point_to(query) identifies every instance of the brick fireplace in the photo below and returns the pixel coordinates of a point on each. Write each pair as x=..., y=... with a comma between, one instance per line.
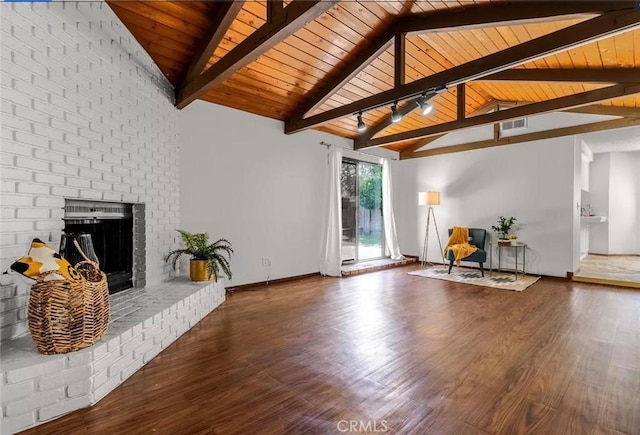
x=113, y=233
x=86, y=115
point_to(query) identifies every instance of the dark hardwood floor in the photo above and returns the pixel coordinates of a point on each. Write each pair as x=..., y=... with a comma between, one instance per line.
x=391, y=351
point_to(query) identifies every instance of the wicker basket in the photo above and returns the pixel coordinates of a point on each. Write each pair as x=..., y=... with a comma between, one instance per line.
x=96, y=300
x=65, y=316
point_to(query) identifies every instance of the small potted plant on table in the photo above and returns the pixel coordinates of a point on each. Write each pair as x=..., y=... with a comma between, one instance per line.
x=207, y=259
x=504, y=230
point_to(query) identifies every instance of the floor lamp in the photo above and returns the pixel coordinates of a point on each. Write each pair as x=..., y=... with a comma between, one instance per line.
x=430, y=199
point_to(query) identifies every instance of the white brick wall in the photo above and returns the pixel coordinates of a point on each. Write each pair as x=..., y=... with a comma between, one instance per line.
x=85, y=114
x=36, y=388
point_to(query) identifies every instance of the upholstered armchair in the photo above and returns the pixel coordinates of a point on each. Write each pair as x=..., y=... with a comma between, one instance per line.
x=477, y=238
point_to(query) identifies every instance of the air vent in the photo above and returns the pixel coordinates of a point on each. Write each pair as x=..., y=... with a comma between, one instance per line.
x=513, y=124
x=78, y=209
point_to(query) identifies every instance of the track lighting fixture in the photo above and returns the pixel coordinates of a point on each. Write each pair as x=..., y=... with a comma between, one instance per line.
x=361, y=125
x=395, y=116
x=425, y=107
x=422, y=101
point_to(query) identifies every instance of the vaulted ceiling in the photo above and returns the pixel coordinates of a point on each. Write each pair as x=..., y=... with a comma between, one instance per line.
x=318, y=64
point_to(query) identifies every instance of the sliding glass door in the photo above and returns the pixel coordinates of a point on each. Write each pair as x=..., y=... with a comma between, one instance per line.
x=362, y=224
x=370, y=226
x=349, y=187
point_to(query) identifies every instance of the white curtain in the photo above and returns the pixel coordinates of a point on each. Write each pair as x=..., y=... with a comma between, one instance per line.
x=390, y=235
x=331, y=255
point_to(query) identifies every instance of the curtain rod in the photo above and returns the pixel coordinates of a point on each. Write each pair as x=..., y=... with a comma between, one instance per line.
x=329, y=145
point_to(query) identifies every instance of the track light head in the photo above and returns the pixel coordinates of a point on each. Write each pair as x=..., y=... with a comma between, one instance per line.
x=361, y=125
x=395, y=116
x=425, y=107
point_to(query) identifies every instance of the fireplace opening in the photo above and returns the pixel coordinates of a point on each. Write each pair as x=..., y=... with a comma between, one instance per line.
x=111, y=228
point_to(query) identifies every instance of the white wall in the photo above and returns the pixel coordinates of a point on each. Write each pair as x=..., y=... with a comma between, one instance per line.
x=548, y=121
x=623, y=203
x=533, y=182
x=85, y=114
x=536, y=123
x=615, y=193
x=578, y=168
x=599, y=199
x=638, y=211
x=244, y=180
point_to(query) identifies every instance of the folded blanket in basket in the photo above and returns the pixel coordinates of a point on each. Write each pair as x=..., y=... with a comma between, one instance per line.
x=41, y=258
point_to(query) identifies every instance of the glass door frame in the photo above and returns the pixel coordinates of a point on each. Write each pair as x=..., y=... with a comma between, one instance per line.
x=353, y=162
x=357, y=244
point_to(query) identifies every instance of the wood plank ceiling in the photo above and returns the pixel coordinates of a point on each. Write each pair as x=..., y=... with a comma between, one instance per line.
x=278, y=82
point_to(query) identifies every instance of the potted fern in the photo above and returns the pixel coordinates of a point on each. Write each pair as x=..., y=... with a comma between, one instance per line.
x=207, y=259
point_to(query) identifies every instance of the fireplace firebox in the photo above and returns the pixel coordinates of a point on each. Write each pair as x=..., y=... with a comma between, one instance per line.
x=110, y=226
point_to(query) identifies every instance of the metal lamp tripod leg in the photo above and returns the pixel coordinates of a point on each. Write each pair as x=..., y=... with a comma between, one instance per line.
x=425, y=246
x=438, y=234
x=425, y=250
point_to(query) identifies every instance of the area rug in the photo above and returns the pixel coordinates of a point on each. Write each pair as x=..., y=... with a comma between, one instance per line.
x=504, y=281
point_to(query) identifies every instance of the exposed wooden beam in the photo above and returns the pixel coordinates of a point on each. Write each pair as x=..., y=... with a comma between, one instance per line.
x=441, y=20
x=579, y=34
x=421, y=142
x=406, y=7
x=529, y=137
x=408, y=107
x=505, y=104
x=553, y=105
x=625, y=112
x=427, y=140
x=496, y=131
x=504, y=14
x=292, y=18
x=461, y=101
x=399, y=60
x=222, y=19
x=274, y=8
x=403, y=110
x=594, y=109
x=491, y=106
x=345, y=72
x=578, y=75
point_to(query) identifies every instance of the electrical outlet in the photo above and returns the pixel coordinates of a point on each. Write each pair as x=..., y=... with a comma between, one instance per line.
x=266, y=262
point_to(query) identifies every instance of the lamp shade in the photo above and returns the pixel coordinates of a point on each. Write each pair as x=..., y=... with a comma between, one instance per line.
x=433, y=198
x=429, y=198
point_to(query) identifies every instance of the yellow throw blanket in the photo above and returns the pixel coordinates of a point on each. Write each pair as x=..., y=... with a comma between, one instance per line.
x=459, y=244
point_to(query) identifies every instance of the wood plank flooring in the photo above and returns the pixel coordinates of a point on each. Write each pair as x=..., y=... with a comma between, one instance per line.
x=391, y=352
x=620, y=270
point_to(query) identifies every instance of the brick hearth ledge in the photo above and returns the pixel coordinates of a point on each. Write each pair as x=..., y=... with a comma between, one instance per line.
x=37, y=388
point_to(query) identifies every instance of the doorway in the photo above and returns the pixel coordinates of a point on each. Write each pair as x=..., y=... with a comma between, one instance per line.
x=362, y=221
x=609, y=211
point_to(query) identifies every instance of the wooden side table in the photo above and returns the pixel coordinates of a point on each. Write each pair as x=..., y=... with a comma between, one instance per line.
x=517, y=246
